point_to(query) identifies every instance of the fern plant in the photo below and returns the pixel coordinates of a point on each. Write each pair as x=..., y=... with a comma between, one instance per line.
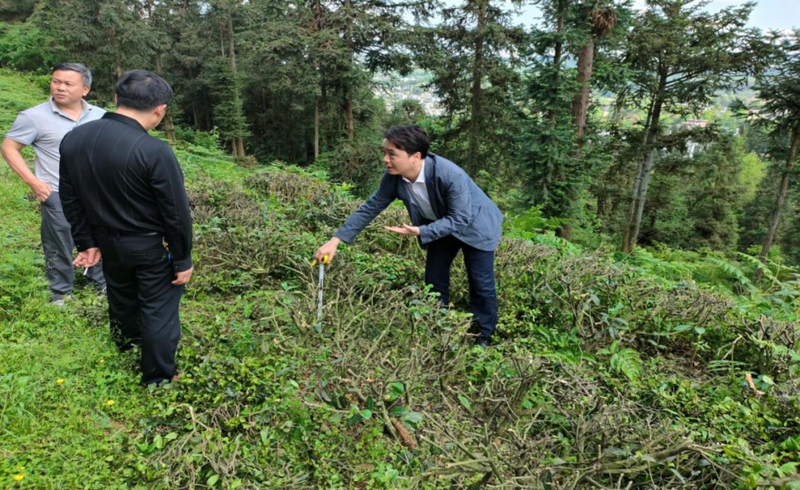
x=623, y=360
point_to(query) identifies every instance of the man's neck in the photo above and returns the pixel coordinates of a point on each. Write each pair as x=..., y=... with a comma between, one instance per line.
x=74, y=110
x=413, y=176
x=137, y=116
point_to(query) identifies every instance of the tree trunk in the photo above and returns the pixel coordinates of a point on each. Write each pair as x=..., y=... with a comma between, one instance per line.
x=316, y=129
x=647, y=171
x=639, y=195
x=348, y=5
x=619, y=107
x=477, y=91
x=557, y=174
x=195, y=116
x=116, y=56
x=169, y=126
x=318, y=26
x=238, y=143
x=783, y=189
x=580, y=103
x=551, y=115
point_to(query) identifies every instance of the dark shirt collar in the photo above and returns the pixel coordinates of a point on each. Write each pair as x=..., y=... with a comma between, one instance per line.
x=124, y=120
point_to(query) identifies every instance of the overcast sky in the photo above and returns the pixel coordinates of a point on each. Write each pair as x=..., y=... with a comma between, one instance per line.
x=768, y=14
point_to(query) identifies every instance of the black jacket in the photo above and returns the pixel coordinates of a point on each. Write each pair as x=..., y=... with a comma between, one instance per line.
x=115, y=176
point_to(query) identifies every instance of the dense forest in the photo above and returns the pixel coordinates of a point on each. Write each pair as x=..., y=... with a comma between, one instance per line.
x=669, y=126
x=648, y=277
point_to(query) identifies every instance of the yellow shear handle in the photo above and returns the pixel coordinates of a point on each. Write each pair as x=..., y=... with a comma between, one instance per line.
x=325, y=260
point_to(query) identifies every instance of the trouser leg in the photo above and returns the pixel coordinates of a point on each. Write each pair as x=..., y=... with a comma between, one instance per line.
x=161, y=330
x=95, y=274
x=123, y=297
x=482, y=292
x=57, y=244
x=440, y=257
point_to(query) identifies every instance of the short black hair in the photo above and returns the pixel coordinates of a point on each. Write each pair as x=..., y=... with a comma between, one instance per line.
x=410, y=138
x=86, y=74
x=142, y=90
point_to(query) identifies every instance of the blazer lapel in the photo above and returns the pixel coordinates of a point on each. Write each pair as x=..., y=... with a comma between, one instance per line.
x=430, y=184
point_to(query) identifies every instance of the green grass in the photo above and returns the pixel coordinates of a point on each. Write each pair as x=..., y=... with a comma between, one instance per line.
x=598, y=363
x=58, y=369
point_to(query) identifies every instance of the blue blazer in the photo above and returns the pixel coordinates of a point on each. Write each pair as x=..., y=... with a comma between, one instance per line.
x=462, y=209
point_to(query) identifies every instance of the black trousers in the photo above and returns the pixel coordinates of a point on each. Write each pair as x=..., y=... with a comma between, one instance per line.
x=480, y=271
x=142, y=302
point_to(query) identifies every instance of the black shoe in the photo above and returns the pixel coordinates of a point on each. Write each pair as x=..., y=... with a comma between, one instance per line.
x=482, y=342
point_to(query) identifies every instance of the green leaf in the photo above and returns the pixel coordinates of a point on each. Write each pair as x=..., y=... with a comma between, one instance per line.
x=413, y=417
x=465, y=401
x=212, y=480
x=397, y=388
x=365, y=414
x=700, y=330
x=398, y=411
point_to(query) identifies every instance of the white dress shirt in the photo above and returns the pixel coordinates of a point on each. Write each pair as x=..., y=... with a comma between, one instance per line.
x=419, y=192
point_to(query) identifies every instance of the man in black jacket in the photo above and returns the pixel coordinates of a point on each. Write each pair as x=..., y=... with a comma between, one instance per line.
x=123, y=195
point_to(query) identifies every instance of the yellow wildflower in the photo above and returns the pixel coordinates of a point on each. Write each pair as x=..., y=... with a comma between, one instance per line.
x=110, y=402
x=18, y=477
x=60, y=381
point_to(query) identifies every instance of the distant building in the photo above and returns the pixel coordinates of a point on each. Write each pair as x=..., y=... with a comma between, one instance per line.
x=692, y=146
x=695, y=123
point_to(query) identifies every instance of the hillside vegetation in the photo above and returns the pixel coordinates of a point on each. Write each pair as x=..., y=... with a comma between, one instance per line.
x=647, y=373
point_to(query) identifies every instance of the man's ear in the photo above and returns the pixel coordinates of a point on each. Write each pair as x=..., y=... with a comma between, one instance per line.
x=161, y=110
x=86, y=90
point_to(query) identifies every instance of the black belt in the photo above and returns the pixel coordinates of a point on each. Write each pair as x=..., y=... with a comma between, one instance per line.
x=113, y=232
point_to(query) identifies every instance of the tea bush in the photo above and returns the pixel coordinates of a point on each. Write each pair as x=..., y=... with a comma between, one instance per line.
x=607, y=373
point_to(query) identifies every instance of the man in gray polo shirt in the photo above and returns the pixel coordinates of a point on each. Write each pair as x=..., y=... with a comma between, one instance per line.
x=43, y=127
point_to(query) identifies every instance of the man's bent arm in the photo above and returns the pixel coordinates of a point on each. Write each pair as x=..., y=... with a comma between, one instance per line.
x=73, y=207
x=167, y=181
x=459, y=205
x=367, y=212
x=12, y=154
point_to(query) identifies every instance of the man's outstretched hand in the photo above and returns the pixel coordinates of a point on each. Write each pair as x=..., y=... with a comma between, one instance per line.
x=403, y=230
x=88, y=258
x=182, y=278
x=329, y=250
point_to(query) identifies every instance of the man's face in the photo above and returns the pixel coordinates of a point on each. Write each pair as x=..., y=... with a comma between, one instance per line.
x=397, y=161
x=67, y=87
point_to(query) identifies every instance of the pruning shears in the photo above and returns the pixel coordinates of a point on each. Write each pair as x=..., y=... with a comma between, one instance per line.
x=325, y=260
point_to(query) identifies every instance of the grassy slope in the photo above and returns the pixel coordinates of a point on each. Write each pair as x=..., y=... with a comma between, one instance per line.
x=57, y=370
x=68, y=398
x=254, y=405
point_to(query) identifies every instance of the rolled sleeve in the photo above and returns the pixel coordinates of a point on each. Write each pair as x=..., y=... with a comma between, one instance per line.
x=23, y=130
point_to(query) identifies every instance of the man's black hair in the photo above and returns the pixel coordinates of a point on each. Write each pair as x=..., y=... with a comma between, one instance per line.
x=142, y=90
x=410, y=138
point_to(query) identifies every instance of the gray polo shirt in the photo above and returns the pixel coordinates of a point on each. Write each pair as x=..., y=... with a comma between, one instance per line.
x=43, y=127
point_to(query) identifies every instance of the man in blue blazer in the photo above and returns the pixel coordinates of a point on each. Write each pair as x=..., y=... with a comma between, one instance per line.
x=448, y=213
